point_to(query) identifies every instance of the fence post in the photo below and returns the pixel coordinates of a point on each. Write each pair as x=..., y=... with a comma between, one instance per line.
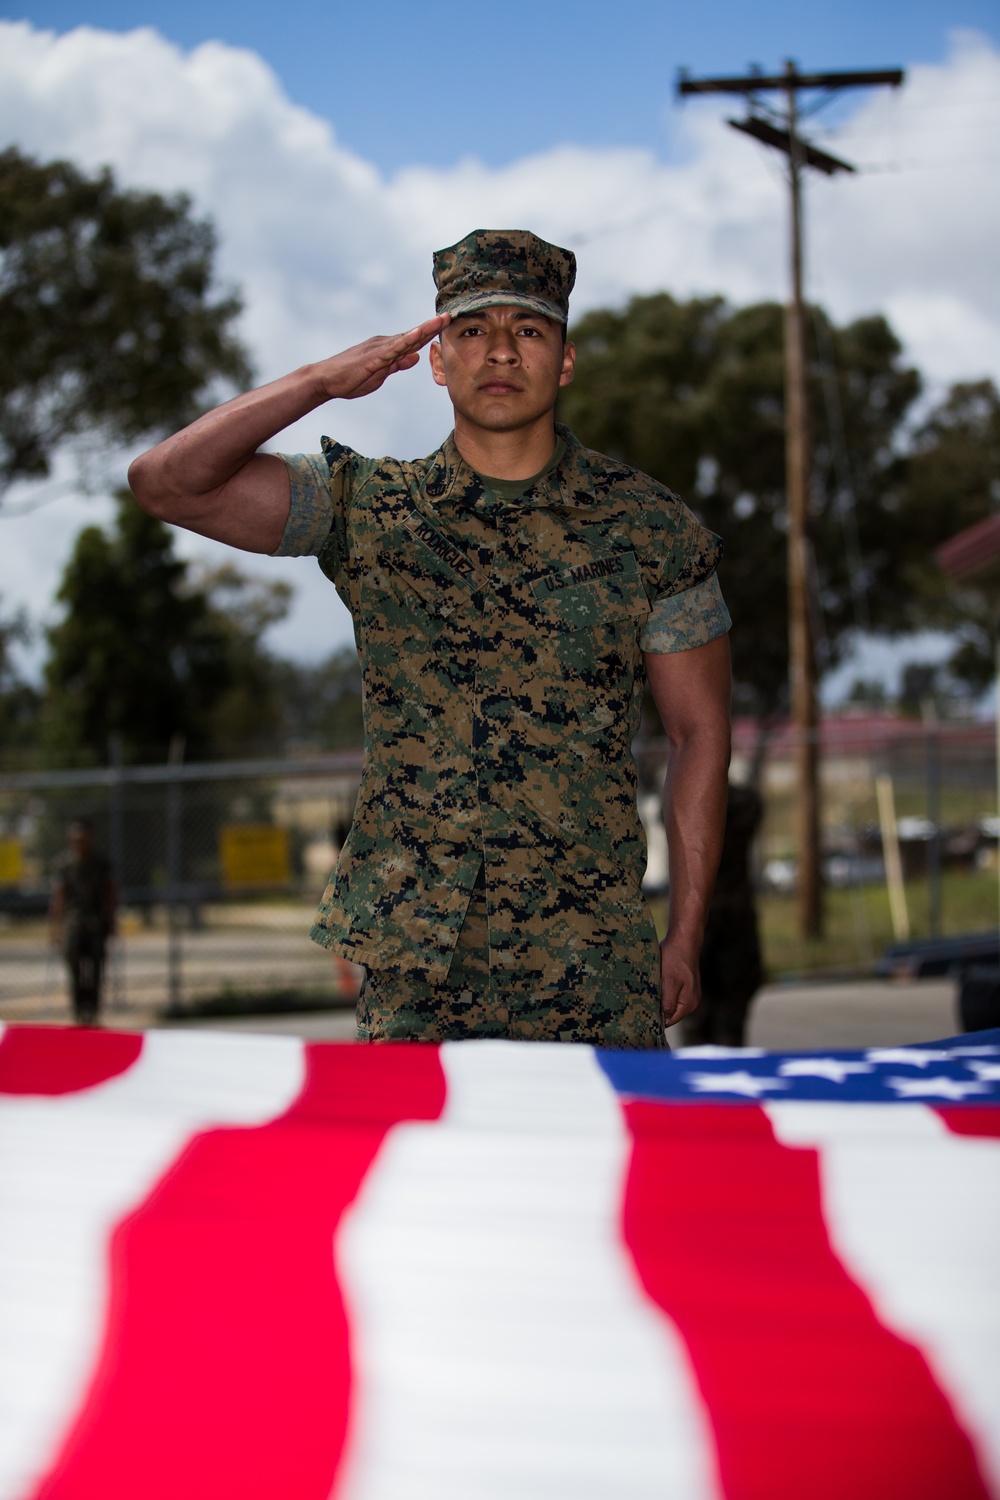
x=116, y=840
x=996, y=732
x=174, y=875
x=932, y=746
x=891, y=858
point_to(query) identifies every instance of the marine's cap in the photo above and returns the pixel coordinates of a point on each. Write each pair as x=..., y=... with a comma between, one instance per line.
x=504, y=267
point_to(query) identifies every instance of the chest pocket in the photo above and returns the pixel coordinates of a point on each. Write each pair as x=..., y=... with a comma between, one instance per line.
x=426, y=565
x=605, y=589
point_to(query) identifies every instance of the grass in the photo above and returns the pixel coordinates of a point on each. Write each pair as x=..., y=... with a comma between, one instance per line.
x=857, y=925
x=231, y=1001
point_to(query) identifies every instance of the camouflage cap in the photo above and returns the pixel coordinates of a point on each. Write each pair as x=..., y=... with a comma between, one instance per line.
x=504, y=267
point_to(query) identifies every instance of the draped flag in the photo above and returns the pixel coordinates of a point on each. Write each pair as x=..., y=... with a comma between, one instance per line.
x=250, y=1268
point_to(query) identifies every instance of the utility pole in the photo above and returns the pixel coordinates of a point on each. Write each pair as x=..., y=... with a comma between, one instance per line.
x=779, y=129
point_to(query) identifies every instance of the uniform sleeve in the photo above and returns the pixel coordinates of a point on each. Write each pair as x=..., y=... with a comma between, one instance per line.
x=315, y=501
x=687, y=608
x=679, y=622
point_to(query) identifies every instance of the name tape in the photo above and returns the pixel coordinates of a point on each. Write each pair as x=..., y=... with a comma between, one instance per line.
x=617, y=565
x=441, y=546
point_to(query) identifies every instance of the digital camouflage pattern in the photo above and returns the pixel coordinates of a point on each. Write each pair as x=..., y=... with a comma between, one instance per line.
x=620, y=1006
x=683, y=621
x=501, y=652
x=501, y=267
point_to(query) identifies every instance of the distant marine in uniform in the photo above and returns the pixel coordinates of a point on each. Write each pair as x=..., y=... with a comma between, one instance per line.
x=506, y=619
x=732, y=969
x=82, y=917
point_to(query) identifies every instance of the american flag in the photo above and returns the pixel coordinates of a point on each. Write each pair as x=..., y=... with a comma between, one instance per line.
x=241, y=1267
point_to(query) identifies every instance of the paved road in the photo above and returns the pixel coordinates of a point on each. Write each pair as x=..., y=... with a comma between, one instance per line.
x=877, y=1013
x=793, y=1017
x=270, y=950
x=261, y=957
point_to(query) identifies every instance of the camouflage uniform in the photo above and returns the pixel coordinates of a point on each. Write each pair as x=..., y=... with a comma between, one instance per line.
x=500, y=637
x=87, y=890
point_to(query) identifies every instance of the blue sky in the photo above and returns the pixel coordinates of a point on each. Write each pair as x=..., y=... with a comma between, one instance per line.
x=430, y=81
x=336, y=147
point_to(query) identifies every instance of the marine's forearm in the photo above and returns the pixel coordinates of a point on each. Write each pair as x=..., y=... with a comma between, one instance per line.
x=178, y=474
x=694, y=812
x=210, y=476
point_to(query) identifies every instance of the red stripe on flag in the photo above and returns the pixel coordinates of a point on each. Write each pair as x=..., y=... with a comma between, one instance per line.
x=808, y=1393
x=226, y=1362
x=972, y=1119
x=63, y=1059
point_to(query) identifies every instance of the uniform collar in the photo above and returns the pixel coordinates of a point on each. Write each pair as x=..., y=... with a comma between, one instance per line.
x=569, y=486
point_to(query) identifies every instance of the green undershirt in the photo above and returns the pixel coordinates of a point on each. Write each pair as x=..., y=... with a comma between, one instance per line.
x=512, y=489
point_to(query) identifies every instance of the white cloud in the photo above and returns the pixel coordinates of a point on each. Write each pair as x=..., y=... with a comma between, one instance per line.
x=327, y=250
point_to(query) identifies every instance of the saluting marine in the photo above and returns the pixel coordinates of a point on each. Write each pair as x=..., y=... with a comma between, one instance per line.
x=511, y=594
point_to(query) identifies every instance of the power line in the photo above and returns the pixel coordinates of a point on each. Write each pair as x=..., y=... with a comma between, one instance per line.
x=779, y=129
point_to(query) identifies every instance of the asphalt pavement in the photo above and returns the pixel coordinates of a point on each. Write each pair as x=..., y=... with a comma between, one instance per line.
x=859, y=1013
x=792, y=1017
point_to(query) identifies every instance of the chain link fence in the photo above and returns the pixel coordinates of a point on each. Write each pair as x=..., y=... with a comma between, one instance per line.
x=909, y=836
x=219, y=869
x=220, y=866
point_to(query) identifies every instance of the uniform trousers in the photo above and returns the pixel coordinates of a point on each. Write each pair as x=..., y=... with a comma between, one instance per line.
x=84, y=954
x=619, y=1008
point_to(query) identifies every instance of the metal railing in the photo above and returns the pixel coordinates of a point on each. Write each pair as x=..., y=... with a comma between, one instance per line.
x=193, y=927
x=200, y=929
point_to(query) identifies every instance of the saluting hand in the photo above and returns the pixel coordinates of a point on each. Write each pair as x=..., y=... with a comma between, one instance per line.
x=365, y=367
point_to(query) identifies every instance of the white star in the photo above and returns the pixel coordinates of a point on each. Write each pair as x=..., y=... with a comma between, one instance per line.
x=915, y=1057
x=733, y=1083
x=985, y=1072
x=834, y=1069
x=937, y=1088
x=975, y=1051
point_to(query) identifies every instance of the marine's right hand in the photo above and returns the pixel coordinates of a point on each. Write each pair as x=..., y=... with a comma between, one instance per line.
x=362, y=369
x=211, y=478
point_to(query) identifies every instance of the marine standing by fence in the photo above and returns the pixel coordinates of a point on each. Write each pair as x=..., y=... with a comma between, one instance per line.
x=82, y=918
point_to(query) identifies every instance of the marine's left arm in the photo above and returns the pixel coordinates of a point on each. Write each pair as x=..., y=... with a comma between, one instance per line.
x=691, y=689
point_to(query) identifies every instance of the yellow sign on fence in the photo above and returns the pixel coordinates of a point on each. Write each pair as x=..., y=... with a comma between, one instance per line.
x=254, y=854
x=11, y=861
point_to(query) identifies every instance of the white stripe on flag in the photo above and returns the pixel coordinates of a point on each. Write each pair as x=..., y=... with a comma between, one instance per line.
x=913, y=1211
x=502, y=1346
x=71, y=1167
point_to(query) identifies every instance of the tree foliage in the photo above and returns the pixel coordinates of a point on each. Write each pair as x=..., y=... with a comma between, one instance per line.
x=953, y=474
x=147, y=652
x=693, y=393
x=108, y=322
x=322, y=702
x=18, y=699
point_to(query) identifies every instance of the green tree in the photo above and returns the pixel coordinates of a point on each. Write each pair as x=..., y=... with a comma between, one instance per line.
x=108, y=324
x=147, y=652
x=951, y=481
x=19, y=701
x=955, y=453
x=249, y=712
x=693, y=393
x=322, y=702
